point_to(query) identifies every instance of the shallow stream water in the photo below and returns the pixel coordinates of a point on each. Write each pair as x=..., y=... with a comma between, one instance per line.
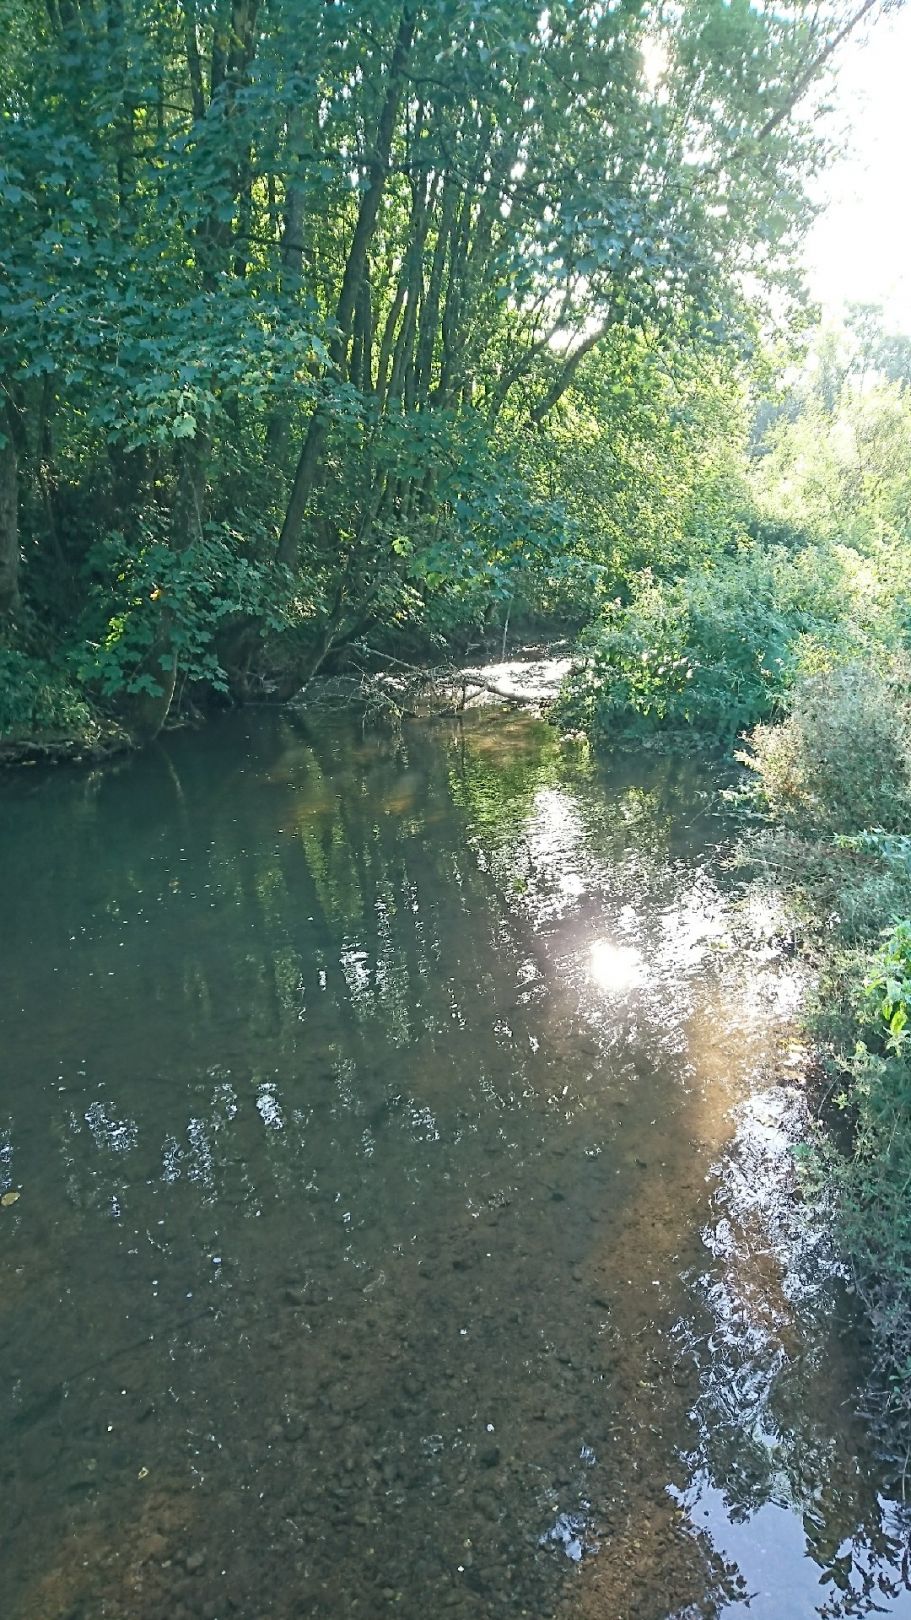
x=402, y=1132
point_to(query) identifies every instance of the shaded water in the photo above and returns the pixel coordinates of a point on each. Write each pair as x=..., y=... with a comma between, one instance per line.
x=402, y=1137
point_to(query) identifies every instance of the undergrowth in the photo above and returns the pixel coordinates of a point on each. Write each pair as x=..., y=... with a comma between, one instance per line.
x=834, y=782
x=722, y=647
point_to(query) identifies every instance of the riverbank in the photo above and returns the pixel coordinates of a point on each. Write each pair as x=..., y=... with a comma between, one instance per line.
x=104, y=741
x=832, y=784
x=64, y=727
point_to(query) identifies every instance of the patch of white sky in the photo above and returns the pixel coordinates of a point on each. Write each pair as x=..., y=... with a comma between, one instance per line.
x=859, y=249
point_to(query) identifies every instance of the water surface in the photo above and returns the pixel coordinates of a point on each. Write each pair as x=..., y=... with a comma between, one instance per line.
x=406, y=1227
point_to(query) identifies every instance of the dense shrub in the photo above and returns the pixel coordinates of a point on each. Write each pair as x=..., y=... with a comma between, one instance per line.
x=834, y=780
x=887, y=994
x=130, y=589
x=706, y=651
x=40, y=700
x=833, y=783
x=840, y=762
x=872, y=1182
x=719, y=648
x=716, y=650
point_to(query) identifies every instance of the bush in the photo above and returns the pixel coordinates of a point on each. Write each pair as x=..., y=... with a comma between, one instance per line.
x=200, y=591
x=872, y=1183
x=719, y=649
x=839, y=891
x=887, y=995
x=709, y=651
x=841, y=761
x=835, y=779
x=702, y=652
x=37, y=700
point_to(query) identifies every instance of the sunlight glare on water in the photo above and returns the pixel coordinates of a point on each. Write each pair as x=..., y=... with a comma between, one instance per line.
x=615, y=968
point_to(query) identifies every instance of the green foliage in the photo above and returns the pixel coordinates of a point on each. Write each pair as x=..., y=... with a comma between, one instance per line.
x=871, y=1182
x=835, y=780
x=833, y=460
x=147, y=603
x=887, y=994
x=712, y=652
x=720, y=646
x=840, y=762
x=38, y=700
x=452, y=303
x=647, y=456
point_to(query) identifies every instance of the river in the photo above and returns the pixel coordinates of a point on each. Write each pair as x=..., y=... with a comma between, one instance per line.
x=402, y=1130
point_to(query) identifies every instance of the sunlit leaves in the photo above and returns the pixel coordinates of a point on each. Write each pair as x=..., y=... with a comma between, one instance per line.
x=559, y=202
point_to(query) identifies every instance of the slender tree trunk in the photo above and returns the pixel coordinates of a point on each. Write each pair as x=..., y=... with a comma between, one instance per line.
x=360, y=370
x=385, y=354
x=567, y=372
x=194, y=64
x=430, y=312
x=9, y=526
x=355, y=269
x=453, y=301
x=146, y=712
x=188, y=508
x=291, y=255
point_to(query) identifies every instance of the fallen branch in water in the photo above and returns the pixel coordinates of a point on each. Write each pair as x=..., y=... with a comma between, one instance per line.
x=401, y=690
x=479, y=684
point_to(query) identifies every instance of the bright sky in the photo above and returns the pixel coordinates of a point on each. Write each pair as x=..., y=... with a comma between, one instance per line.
x=860, y=250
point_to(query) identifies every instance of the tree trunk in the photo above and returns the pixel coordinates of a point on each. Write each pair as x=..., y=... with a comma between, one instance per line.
x=145, y=712
x=355, y=269
x=430, y=312
x=567, y=372
x=9, y=527
x=194, y=64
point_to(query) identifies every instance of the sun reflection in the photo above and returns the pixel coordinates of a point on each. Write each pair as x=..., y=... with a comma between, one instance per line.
x=614, y=967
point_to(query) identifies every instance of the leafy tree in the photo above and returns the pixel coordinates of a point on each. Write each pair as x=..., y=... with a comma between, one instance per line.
x=835, y=463
x=336, y=278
